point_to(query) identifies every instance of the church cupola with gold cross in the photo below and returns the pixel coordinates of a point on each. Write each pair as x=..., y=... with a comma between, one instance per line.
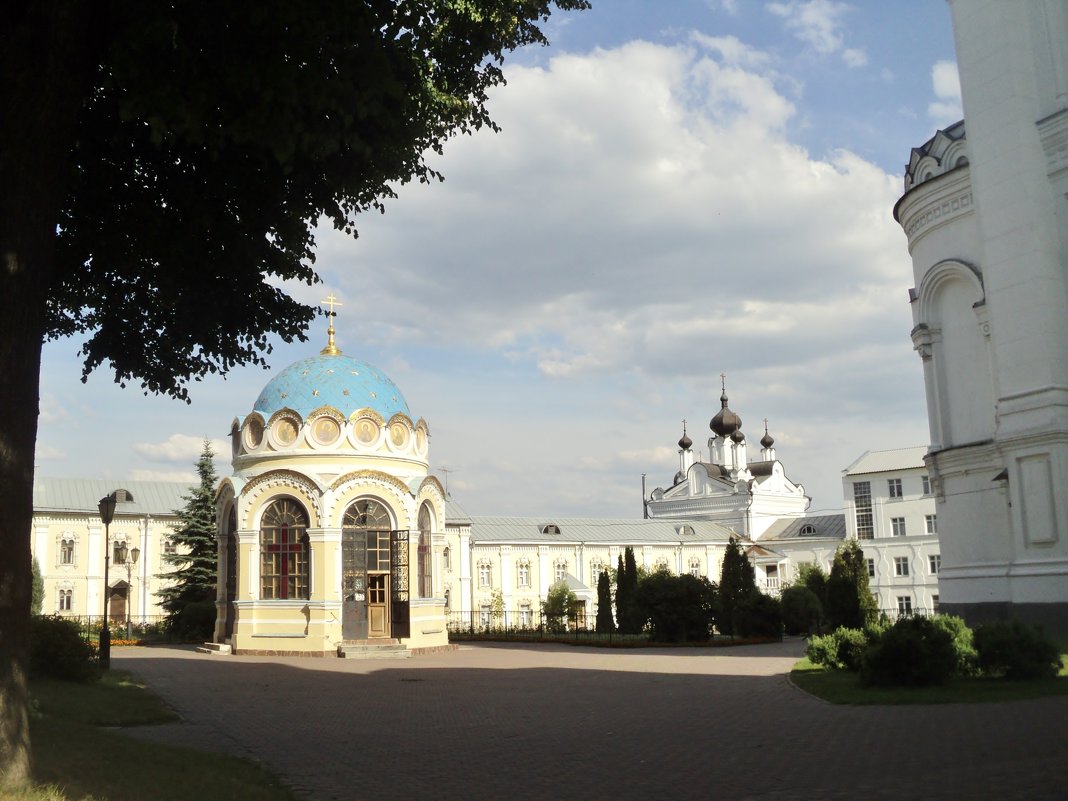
x=331, y=404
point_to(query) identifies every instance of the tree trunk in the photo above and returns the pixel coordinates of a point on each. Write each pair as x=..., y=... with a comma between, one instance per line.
x=46, y=67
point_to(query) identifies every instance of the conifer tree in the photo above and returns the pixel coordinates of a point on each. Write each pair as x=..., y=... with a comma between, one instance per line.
x=621, y=591
x=737, y=581
x=605, y=624
x=629, y=622
x=196, y=554
x=849, y=599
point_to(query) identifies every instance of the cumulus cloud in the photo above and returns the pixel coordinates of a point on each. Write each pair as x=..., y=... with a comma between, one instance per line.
x=815, y=22
x=178, y=448
x=854, y=57
x=642, y=222
x=51, y=410
x=945, y=81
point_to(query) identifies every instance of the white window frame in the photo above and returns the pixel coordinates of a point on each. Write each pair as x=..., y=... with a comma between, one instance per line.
x=904, y=604
x=522, y=576
x=695, y=567
x=559, y=571
x=901, y=566
x=926, y=479
x=871, y=568
x=897, y=526
x=934, y=562
x=931, y=523
x=894, y=488
x=485, y=573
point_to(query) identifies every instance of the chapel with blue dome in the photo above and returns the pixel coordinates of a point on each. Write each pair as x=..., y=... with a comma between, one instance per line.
x=330, y=522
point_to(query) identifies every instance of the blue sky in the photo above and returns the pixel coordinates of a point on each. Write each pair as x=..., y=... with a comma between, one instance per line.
x=680, y=189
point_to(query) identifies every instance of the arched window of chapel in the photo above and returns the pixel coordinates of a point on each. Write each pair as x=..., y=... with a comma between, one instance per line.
x=425, y=562
x=284, y=551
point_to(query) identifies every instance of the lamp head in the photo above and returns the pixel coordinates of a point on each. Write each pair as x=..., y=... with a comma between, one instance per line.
x=134, y=553
x=107, y=509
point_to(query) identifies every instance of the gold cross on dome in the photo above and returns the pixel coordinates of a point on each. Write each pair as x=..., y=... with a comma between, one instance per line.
x=331, y=301
x=331, y=349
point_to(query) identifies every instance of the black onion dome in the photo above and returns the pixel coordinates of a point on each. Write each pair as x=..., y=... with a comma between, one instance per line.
x=767, y=440
x=725, y=422
x=685, y=442
x=737, y=436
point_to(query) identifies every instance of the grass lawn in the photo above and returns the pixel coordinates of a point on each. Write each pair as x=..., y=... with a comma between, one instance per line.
x=76, y=760
x=843, y=687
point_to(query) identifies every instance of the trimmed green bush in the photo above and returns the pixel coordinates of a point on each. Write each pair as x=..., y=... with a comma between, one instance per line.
x=758, y=615
x=196, y=622
x=678, y=608
x=963, y=643
x=59, y=651
x=914, y=652
x=801, y=610
x=842, y=649
x=851, y=646
x=823, y=650
x=1016, y=651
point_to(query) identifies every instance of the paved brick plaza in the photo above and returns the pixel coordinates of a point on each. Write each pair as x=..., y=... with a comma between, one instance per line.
x=555, y=722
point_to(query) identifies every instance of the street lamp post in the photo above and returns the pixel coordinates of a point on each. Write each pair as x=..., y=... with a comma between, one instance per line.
x=129, y=557
x=107, y=513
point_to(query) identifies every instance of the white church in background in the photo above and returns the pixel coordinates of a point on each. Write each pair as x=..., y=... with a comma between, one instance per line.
x=986, y=217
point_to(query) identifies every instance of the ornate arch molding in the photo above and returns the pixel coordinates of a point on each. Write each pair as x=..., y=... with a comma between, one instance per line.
x=943, y=273
x=225, y=493
x=431, y=485
x=267, y=484
x=396, y=492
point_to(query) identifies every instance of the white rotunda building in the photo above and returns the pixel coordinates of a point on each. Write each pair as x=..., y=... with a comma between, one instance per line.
x=329, y=524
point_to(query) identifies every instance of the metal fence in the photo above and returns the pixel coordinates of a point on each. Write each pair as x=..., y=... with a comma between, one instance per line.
x=516, y=620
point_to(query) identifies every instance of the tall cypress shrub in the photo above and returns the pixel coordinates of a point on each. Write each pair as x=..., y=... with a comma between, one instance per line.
x=621, y=591
x=737, y=582
x=849, y=599
x=605, y=624
x=632, y=622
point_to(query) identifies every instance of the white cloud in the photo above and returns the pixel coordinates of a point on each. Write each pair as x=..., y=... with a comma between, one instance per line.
x=854, y=57
x=945, y=81
x=179, y=448
x=731, y=50
x=48, y=454
x=51, y=411
x=642, y=222
x=815, y=22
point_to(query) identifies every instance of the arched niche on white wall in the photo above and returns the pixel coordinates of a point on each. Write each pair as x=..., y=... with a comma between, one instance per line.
x=952, y=306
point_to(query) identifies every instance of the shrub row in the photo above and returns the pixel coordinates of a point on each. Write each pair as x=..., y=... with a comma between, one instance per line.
x=919, y=651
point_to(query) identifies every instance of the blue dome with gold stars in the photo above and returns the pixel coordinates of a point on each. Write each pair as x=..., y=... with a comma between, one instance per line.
x=335, y=380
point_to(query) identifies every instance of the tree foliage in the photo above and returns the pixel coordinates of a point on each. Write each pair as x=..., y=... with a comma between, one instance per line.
x=558, y=606
x=737, y=581
x=801, y=610
x=195, y=560
x=849, y=600
x=605, y=624
x=164, y=168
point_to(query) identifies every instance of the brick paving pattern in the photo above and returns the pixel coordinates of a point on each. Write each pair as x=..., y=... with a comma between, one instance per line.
x=494, y=721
